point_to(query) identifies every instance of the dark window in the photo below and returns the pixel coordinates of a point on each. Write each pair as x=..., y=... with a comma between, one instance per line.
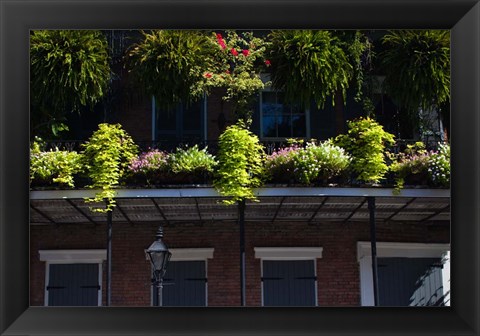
x=185, y=284
x=280, y=120
x=182, y=123
x=410, y=281
x=73, y=285
x=289, y=283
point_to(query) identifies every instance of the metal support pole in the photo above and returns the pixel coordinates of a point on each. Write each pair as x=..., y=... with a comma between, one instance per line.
x=241, y=222
x=373, y=241
x=159, y=292
x=108, y=279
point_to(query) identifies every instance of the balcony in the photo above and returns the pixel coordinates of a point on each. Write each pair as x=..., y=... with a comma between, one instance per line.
x=212, y=145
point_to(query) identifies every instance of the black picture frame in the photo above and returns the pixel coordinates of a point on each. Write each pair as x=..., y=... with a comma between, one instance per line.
x=19, y=16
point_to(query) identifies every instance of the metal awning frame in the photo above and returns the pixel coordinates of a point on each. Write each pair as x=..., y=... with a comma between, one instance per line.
x=277, y=204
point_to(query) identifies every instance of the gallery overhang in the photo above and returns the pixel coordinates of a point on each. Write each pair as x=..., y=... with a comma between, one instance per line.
x=274, y=205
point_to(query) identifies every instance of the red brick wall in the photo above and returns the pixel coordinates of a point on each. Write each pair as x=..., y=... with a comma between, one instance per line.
x=337, y=271
x=219, y=114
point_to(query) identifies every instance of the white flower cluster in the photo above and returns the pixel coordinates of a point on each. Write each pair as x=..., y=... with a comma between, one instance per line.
x=439, y=165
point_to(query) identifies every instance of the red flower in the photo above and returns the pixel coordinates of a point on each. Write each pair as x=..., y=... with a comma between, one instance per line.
x=245, y=52
x=220, y=41
x=227, y=72
x=234, y=52
x=208, y=75
x=267, y=63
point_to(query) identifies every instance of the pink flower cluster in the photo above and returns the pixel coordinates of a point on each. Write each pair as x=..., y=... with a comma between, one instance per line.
x=283, y=152
x=148, y=161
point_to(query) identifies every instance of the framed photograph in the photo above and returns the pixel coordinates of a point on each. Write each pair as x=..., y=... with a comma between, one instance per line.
x=39, y=251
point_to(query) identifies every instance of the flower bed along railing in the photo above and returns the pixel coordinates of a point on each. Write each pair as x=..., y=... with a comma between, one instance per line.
x=366, y=155
x=283, y=165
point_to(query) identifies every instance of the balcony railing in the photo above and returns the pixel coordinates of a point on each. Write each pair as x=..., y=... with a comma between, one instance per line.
x=212, y=145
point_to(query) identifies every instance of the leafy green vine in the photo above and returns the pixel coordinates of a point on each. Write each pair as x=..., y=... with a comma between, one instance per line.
x=240, y=164
x=107, y=155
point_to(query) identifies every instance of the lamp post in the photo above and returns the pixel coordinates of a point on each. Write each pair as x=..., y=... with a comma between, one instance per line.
x=159, y=256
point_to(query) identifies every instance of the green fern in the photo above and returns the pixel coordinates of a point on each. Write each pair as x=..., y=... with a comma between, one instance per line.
x=69, y=70
x=169, y=64
x=417, y=67
x=308, y=65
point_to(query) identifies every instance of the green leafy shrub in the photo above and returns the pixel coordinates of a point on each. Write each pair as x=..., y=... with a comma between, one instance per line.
x=55, y=166
x=149, y=167
x=319, y=163
x=439, y=166
x=191, y=164
x=411, y=166
x=240, y=164
x=107, y=155
x=365, y=141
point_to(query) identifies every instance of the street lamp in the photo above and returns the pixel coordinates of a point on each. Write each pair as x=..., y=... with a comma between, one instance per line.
x=159, y=256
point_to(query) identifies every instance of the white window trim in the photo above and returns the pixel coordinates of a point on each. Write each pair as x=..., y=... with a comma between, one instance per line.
x=180, y=254
x=286, y=254
x=398, y=250
x=190, y=254
x=73, y=257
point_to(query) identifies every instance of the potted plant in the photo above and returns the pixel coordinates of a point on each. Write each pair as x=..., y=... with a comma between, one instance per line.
x=280, y=165
x=54, y=167
x=148, y=168
x=191, y=165
x=410, y=167
x=366, y=142
x=321, y=163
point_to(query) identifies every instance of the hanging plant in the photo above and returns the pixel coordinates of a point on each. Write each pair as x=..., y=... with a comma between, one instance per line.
x=169, y=64
x=107, y=155
x=238, y=59
x=308, y=65
x=359, y=51
x=69, y=70
x=240, y=164
x=417, y=68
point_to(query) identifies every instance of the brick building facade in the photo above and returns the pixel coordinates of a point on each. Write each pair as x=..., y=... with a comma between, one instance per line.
x=333, y=246
x=316, y=254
